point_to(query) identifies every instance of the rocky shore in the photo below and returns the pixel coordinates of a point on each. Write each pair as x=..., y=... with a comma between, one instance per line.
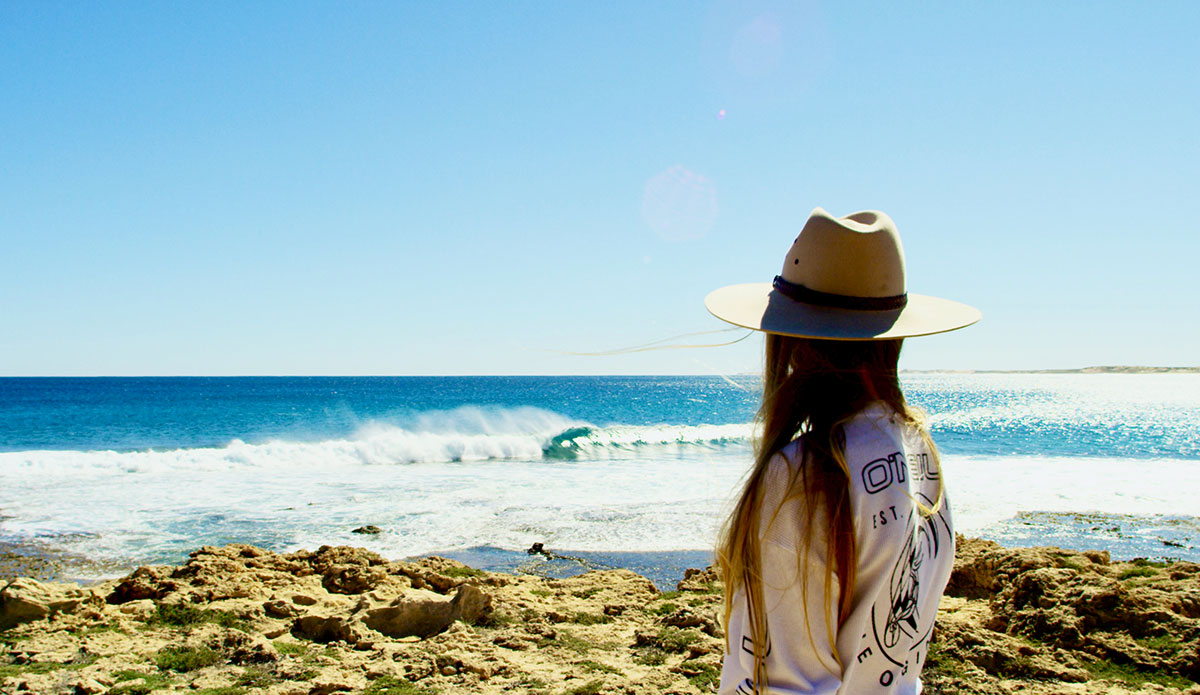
x=239, y=619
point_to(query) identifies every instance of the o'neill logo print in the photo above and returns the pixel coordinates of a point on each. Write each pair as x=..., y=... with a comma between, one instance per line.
x=902, y=630
x=880, y=473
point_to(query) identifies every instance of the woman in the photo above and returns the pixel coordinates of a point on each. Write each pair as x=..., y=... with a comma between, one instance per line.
x=841, y=544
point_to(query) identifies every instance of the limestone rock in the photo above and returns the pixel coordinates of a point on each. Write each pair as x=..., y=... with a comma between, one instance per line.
x=685, y=617
x=144, y=583
x=703, y=581
x=1037, y=621
x=435, y=573
x=423, y=618
x=345, y=570
x=277, y=608
x=1047, y=613
x=25, y=599
x=241, y=648
x=326, y=629
x=82, y=685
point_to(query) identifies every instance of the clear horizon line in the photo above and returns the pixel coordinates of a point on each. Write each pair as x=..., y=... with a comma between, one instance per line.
x=1094, y=369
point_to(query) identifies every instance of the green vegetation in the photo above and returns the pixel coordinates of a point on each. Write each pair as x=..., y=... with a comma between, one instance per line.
x=389, y=685
x=36, y=668
x=501, y=618
x=257, y=677
x=150, y=682
x=1143, y=562
x=673, y=639
x=586, y=593
x=177, y=615
x=567, y=641
x=596, y=666
x=669, y=595
x=289, y=648
x=591, y=619
x=184, y=659
x=664, y=609
x=938, y=661
x=1069, y=563
x=183, y=615
x=463, y=572
x=589, y=688
x=226, y=690
x=39, y=667
x=708, y=678
x=1019, y=667
x=650, y=656
x=541, y=593
x=1161, y=643
x=1131, y=676
x=1141, y=571
x=231, y=620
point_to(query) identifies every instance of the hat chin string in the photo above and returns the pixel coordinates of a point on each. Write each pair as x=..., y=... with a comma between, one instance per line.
x=807, y=295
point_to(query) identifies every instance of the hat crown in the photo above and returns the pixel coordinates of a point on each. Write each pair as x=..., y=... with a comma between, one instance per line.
x=858, y=255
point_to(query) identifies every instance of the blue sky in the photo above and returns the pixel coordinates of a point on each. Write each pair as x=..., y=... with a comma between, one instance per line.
x=476, y=188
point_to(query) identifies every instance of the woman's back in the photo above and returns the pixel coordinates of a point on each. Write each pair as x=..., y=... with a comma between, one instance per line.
x=904, y=558
x=845, y=489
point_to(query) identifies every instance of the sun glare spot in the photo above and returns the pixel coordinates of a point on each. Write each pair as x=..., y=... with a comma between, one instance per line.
x=679, y=204
x=758, y=46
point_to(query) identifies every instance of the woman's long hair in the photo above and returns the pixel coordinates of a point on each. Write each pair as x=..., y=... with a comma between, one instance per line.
x=810, y=389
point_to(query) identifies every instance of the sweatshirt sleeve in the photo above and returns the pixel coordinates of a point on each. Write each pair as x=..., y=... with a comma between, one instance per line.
x=801, y=623
x=904, y=561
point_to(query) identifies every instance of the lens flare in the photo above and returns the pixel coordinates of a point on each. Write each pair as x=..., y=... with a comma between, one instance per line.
x=679, y=204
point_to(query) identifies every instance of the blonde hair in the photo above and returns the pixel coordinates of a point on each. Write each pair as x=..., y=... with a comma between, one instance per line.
x=810, y=389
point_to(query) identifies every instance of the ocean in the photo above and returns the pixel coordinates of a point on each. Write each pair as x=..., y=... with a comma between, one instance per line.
x=130, y=471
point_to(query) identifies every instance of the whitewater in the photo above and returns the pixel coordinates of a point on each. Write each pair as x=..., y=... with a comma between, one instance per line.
x=1018, y=455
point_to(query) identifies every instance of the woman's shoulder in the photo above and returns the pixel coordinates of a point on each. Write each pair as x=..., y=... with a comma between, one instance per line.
x=784, y=466
x=791, y=454
x=877, y=425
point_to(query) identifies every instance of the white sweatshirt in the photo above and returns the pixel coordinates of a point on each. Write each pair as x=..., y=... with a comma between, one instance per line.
x=904, y=562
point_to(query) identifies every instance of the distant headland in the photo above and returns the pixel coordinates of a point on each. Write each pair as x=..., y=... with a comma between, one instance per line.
x=1112, y=369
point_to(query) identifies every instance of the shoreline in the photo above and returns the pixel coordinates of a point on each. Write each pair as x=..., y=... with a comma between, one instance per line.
x=1125, y=537
x=664, y=568
x=238, y=619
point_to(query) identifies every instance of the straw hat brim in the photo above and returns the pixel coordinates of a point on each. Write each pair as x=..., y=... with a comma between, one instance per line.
x=759, y=306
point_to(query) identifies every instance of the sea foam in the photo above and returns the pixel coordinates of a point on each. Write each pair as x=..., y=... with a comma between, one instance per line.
x=462, y=435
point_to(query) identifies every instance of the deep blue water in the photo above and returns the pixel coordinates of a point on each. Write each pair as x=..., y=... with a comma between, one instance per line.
x=1129, y=416
x=137, y=413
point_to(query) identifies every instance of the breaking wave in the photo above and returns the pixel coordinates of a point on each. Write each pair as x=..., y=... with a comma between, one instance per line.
x=461, y=435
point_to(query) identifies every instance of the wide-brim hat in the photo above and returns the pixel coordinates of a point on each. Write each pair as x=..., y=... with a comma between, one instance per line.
x=843, y=279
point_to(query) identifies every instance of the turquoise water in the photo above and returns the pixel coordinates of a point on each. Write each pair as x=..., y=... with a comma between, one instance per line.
x=1132, y=416
x=132, y=470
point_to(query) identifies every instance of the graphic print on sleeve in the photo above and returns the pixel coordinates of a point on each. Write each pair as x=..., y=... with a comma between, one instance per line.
x=900, y=629
x=900, y=622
